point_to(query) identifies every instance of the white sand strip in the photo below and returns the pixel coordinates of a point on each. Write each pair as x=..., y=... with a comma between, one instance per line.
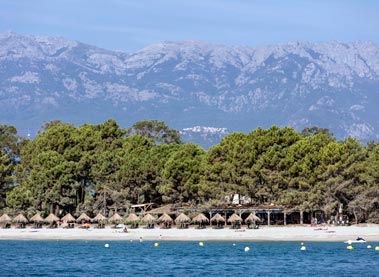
x=370, y=232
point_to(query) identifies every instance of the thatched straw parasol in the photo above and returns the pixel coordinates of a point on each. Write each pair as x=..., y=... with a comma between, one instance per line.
x=116, y=218
x=217, y=218
x=200, y=218
x=132, y=218
x=51, y=218
x=20, y=219
x=37, y=218
x=148, y=218
x=182, y=218
x=83, y=217
x=5, y=218
x=99, y=218
x=165, y=221
x=165, y=218
x=234, y=218
x=252, y=218
x=68, y=218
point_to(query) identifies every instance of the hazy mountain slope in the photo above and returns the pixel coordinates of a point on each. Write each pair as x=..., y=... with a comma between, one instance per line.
x=333, y=85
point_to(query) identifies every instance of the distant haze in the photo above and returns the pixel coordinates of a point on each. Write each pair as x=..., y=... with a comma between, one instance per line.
x=133, y=24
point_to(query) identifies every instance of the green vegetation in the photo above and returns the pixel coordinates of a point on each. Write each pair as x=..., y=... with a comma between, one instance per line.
x=103, y=167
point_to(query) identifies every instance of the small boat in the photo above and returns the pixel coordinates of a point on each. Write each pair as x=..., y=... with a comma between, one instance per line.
x=358, y=240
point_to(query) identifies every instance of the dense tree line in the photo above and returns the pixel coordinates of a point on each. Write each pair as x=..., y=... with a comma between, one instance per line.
x=103, y=167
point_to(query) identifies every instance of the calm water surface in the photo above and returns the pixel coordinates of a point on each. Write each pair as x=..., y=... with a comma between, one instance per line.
x=124, y=258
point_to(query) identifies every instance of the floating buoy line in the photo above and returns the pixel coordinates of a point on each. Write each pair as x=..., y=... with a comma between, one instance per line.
x=247, y=248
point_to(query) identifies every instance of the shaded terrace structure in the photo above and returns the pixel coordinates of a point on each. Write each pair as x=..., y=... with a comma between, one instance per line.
x=263, y=215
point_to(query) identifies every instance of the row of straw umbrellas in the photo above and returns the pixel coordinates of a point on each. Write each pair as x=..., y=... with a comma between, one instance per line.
x=182, y=220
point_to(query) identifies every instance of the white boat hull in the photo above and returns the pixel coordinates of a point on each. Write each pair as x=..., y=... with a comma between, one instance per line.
x=355, y=241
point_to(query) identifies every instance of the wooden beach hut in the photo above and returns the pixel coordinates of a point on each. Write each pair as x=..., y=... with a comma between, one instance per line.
x=100, y=220
x=115, y=219
x=21, y=220
x=182, y=221
x=252, y=220
x=200, y=219
x=133, y=220
x=219, y=221
x=37, y=220
x=165, y=221
x=69, y=219
x=52, y=219
x=83, y=218
x=235, y=220
x=5, y=221
x=149, y=220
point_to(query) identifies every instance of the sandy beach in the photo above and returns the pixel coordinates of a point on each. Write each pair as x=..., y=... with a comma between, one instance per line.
x=289, y=233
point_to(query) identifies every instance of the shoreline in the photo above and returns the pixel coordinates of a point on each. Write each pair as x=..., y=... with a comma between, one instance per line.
x=370, y=232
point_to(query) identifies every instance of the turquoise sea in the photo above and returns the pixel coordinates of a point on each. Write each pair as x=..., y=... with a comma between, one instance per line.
x=125, y=258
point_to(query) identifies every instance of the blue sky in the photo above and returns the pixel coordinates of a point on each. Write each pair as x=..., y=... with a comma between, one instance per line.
x=129, y=25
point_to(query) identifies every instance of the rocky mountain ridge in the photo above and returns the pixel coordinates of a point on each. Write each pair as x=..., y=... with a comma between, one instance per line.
x=332, y=85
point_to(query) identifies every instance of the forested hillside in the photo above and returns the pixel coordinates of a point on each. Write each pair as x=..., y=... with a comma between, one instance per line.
x=95, y=167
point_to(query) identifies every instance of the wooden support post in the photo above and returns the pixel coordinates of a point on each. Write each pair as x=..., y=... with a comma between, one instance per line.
x=285, y=218
x=210, y=217
x=225, y=218
x=301, y=217
x=268, y=217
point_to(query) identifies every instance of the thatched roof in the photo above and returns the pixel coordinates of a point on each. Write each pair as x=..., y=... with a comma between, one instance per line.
x=51, y=218
x=161, y=210
x=182, y=218
x=68, y=218
x=116, y=218
x=20, y=219
x=252, y=218
x=200, y=218
x=234, y=218
x=132, y=218
x=37, y=218
x=83, y=216
x=148, y=218
x=165, y=218
x=5, y=218
x=217, y=218
x=99, y=218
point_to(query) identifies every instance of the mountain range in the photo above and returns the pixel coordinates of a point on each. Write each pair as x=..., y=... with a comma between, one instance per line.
x=203, y=90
